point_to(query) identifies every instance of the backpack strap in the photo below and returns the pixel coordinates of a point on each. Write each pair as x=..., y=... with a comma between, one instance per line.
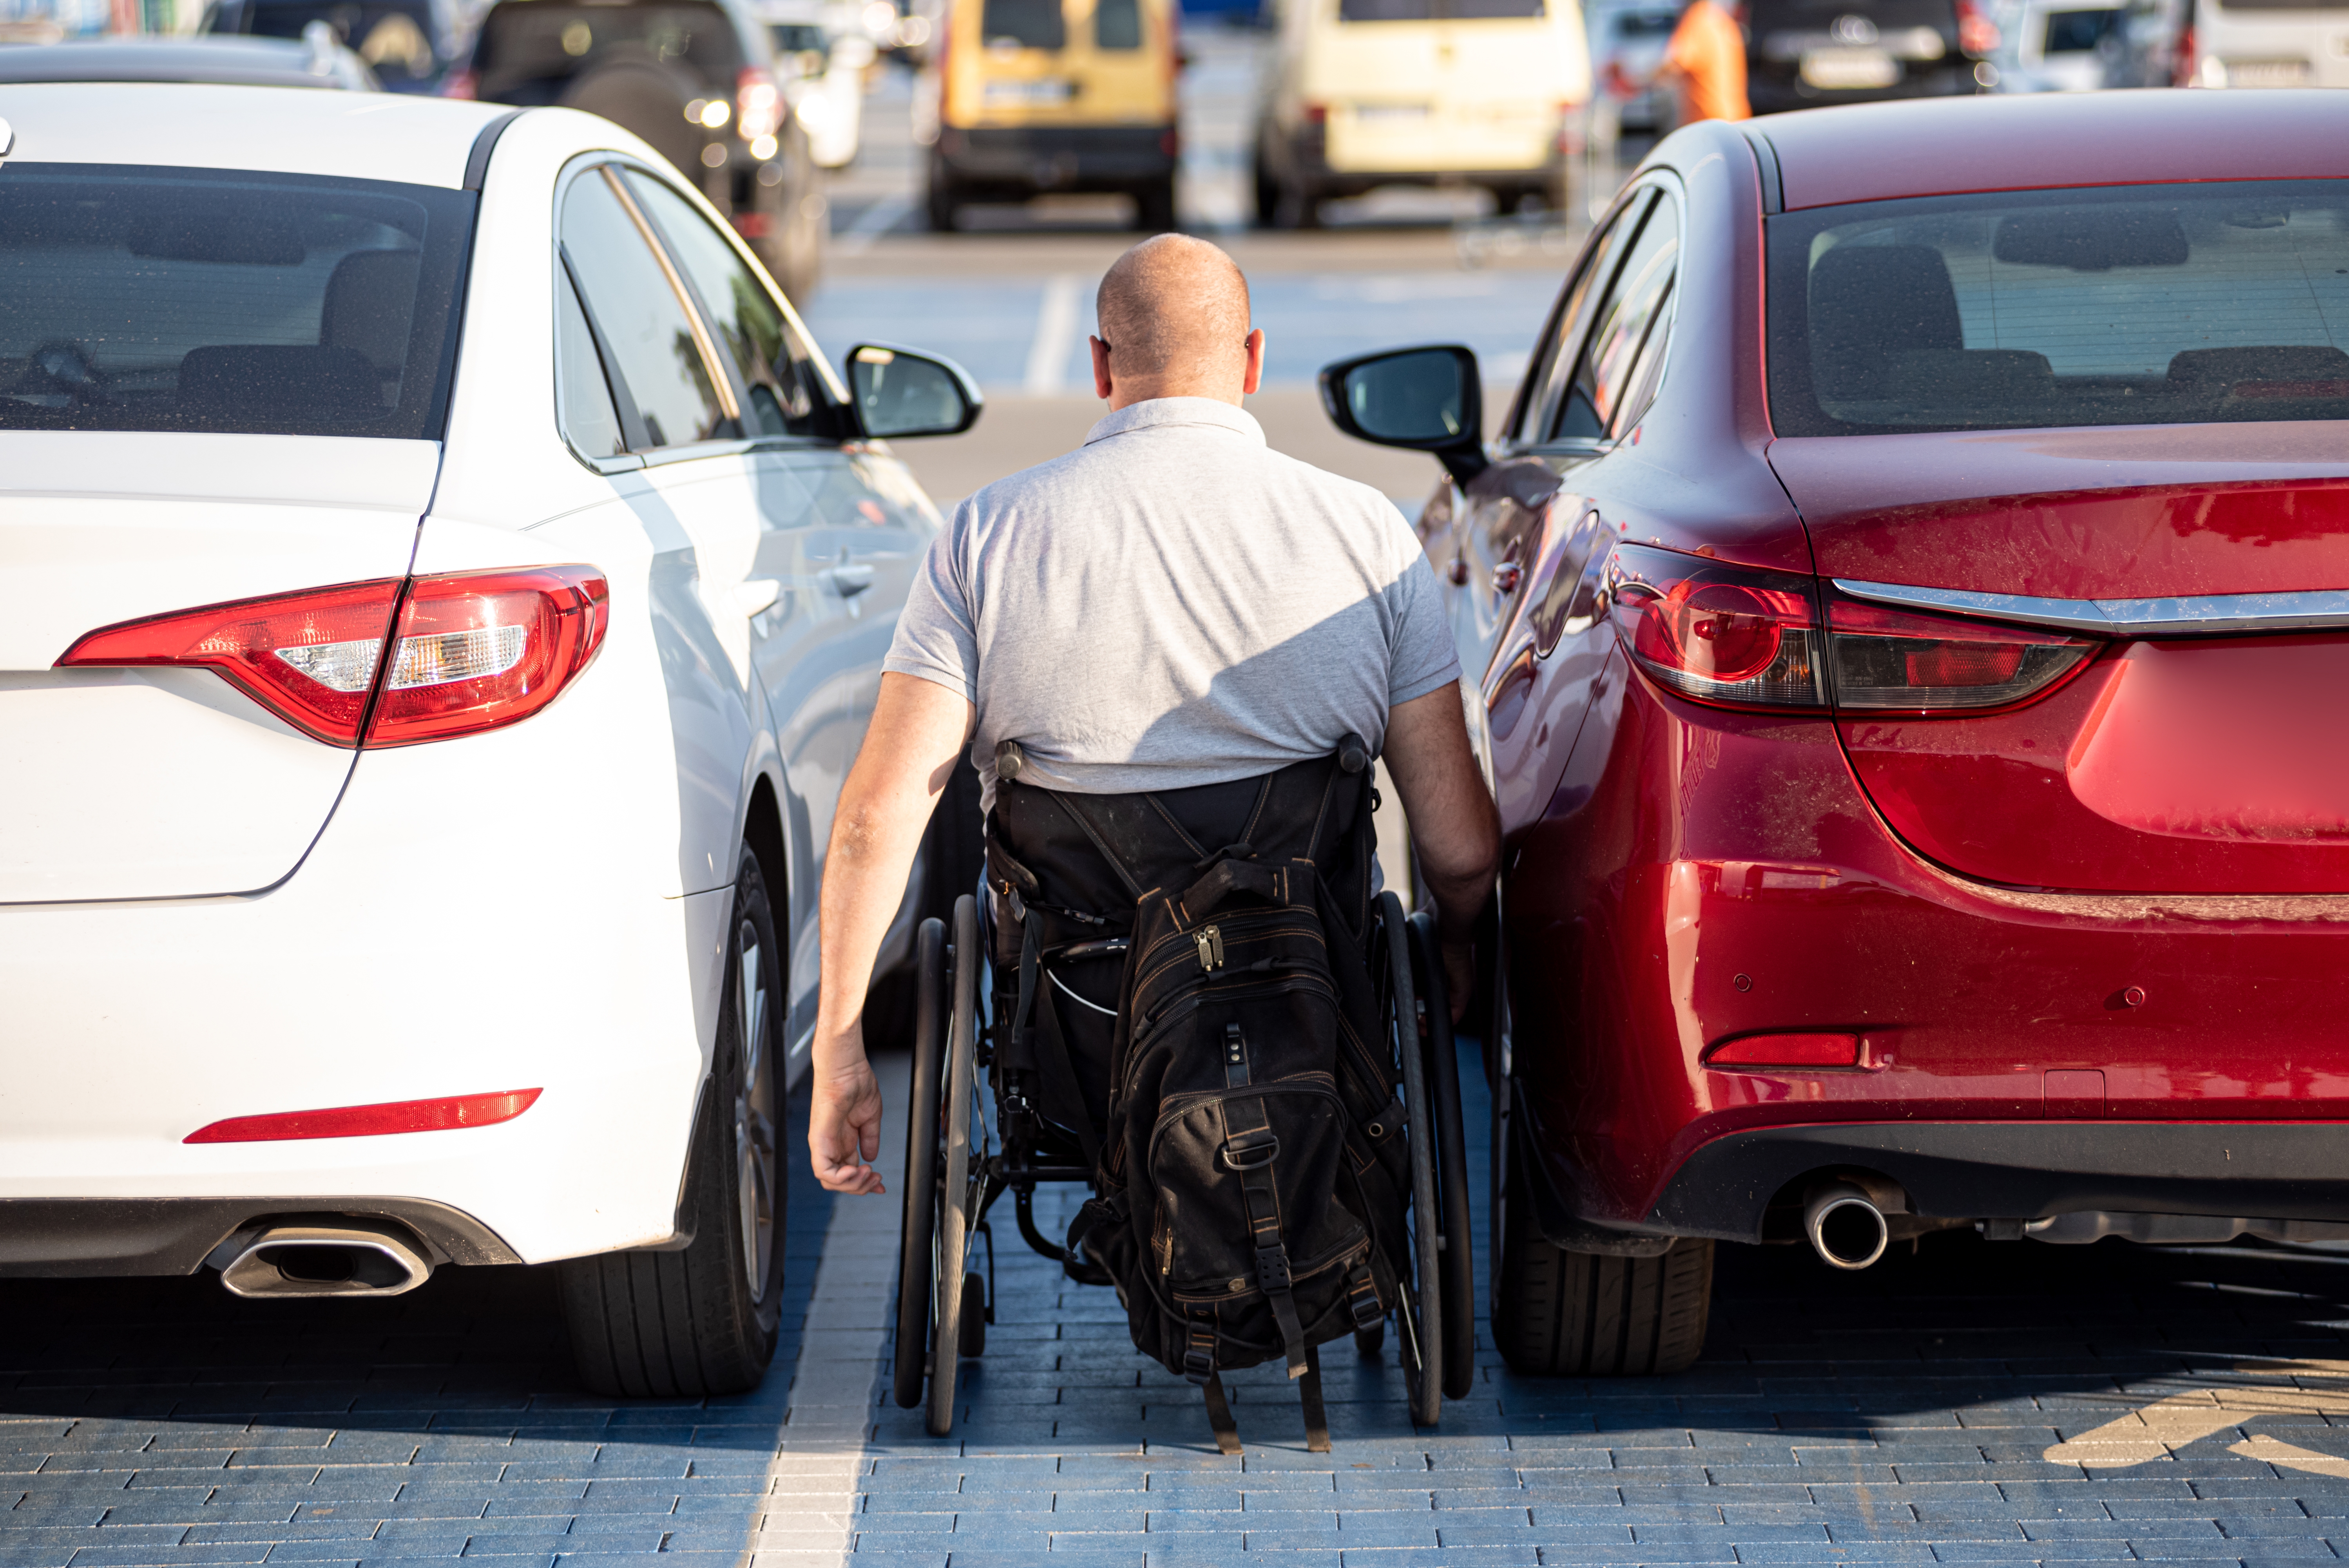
x=1250, y=1146
x=1317, y=1416
x=1219, y=1415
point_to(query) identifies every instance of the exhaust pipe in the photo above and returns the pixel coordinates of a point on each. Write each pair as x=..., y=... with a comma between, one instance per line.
x=358, y=1259
x=1846, y=1227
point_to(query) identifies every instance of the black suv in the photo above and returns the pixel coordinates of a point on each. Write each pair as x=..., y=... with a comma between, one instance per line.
x=1803, y=54
x=697, y=79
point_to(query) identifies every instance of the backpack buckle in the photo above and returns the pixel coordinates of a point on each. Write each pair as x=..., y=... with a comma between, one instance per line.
x=1251, y=1151
x=1272, y=1268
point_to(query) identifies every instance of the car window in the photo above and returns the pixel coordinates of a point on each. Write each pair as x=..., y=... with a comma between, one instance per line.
x=1572, y=317
x=1117, y=24
x=655, y=347
x=749, y=325
x=529, y=54
x=2139, y=305
x=1435, y=10
x=582, y=399
x=1615, y=364
x=170, y=299
x=1023, y=23
x=394, y=37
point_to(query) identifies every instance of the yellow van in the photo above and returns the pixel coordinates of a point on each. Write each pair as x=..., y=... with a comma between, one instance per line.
x=1363, y=93
x=1024, y=97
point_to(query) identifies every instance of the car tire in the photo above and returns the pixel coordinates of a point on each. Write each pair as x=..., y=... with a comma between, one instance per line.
x=1267, y=192
x=1153, y=206
x=704, y=1319
x=1562, y=1313
x=941, y=198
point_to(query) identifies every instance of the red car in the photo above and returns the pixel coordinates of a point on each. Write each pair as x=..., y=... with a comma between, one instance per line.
x=1910, y=591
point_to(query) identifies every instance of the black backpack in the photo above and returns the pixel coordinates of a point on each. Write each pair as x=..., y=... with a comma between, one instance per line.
x=1249, y=1189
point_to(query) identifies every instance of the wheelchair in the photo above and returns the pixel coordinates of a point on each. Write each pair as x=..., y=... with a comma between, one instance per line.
x=966, y=1148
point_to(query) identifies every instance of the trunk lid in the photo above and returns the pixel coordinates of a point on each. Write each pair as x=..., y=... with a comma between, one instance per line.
x=2207, y=763
x=164, y=783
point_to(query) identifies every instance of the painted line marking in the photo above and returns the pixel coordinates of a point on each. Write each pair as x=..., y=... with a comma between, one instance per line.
x=1056, y=334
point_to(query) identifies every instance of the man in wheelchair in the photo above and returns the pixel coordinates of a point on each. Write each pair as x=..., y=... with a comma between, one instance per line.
x=1172, y=654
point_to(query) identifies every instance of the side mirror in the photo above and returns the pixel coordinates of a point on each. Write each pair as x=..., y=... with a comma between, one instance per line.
x=1421, y=399
x=898, y=393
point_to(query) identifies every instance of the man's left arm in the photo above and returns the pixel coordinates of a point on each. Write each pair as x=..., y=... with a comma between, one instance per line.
x=918, y=734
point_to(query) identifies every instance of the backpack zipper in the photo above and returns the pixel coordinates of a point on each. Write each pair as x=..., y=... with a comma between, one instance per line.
x=1211, y=948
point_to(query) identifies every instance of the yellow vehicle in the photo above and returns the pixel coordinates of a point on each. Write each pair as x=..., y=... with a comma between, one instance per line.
x=1362, y=93
x=1025, y=96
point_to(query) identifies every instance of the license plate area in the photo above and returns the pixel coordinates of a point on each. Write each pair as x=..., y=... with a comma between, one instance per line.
x=1846, y=69
x=1048, y=92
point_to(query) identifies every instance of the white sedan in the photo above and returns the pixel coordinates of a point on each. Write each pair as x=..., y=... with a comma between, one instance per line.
x=441, y=588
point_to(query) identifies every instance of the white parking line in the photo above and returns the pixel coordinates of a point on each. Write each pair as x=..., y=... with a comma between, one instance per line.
x=871, y=224
x=1056, y=333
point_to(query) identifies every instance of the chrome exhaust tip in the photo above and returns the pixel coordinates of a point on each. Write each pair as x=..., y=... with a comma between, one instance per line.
x=1846, y=1227
x=325, y=1260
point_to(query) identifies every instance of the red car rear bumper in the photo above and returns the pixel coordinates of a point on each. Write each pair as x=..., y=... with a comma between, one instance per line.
x=1704, y=876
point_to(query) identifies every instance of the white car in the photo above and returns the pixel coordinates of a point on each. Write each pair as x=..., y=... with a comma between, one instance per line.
x=441, y=588
x=823, y=65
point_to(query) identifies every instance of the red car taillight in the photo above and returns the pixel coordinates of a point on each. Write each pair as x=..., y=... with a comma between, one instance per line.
x=758, y=105
x=1977, y=34
x=1717, y=633
x=472, y=651
x=1899, y=659
x=460, y=83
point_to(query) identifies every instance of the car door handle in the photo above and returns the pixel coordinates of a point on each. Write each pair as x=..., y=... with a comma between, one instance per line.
x=758, y=594
x=851, y=578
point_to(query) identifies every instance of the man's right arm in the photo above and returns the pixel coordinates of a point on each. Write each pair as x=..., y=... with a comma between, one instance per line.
x=1455, y=829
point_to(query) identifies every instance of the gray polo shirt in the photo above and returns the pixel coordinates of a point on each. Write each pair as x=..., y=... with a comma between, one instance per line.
x=1175, y=603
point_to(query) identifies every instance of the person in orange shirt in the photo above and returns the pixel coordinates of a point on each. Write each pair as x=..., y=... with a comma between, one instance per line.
x=1705, y=62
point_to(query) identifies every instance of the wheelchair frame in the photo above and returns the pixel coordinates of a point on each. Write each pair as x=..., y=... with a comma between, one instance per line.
x=954, y=1172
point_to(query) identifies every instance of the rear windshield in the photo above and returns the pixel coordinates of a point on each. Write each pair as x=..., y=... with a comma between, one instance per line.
x=1435, y=10
x=395, y=38
x=2077, y=32
x=1827, y=18
x=529, y=52
x=2147, y=304
x=175, y=299
x=1024, y=24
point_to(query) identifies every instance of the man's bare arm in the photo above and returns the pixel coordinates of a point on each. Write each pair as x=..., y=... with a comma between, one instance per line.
x=918, y=731
x=1455, y=830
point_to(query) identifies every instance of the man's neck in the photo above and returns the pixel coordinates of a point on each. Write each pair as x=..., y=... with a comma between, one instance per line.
x=1122, y=396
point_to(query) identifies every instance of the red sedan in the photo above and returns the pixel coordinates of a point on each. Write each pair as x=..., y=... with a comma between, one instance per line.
x=1912, y=590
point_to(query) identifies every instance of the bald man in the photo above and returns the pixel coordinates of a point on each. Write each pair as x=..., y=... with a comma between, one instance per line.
x=1172, y=606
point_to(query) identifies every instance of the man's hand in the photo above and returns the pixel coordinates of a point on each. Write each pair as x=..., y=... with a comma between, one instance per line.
x=844, y=1123
x=1455, y=830
x=918, y=731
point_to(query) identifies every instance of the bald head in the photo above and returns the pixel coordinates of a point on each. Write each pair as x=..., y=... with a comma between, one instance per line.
x=1173, y=315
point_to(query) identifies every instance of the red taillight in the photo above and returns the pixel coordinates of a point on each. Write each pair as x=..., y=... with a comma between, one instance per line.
x=1716, y=633
x=1317, y=114
x=461, y=83
x=472, y=651
x=1785, y=1051
x=310, y=658
x=371, y=1120
x=1977, y=34
x=758, y=105
x=1886, y=658
x=752, y=225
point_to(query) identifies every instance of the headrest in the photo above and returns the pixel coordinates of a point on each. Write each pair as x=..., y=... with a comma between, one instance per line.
x=370, y=306
x=225, y=381
x=2210, y=371
x=1869, y=302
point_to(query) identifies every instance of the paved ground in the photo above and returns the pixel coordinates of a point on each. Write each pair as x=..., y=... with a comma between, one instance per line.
x=1972, y=1403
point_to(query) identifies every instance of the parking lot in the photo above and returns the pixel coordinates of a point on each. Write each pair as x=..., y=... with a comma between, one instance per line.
x=1974, y=1403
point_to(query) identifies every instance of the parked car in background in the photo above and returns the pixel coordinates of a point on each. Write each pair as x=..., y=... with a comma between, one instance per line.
x=2276, y=45
x=695, y=79
x=2055, y=46
x=1806, y=54
x=823, y=66
x=1628, y=38
x=1026, y=97
x=1903, y=599
x=408, y=43
x=442, y=590
x=315, y=62
x=1365, y=93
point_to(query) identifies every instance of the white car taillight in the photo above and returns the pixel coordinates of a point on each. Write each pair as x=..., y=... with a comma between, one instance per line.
x=471, y=651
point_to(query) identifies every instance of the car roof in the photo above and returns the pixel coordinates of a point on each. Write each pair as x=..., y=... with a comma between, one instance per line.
x=251, y=62
x=1930, y=147
x=396, y=137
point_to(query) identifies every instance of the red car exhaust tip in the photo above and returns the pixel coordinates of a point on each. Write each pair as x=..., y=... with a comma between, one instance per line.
x=1804, y=1051
x=371, y=1120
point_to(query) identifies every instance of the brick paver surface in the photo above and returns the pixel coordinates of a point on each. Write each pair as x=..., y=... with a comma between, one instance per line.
x=1975, y=1403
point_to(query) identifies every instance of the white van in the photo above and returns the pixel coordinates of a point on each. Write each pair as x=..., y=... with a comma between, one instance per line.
x=2054, y=46
x=2273, y=44
x=1362, y=93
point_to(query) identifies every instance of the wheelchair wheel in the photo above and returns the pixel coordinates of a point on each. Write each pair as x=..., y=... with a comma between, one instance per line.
x=1458, y=1279
x=960, y=1183
x=918, y=1235
x=1421, y=1306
